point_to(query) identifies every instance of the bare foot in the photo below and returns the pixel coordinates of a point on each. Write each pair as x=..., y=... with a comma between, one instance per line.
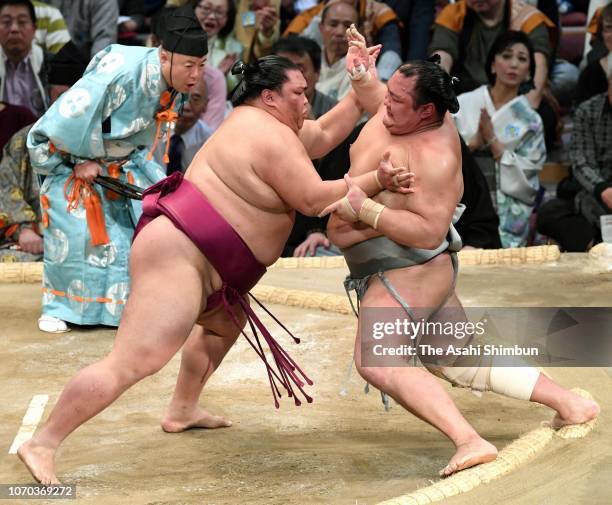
x=576, y=410
x=199, y=419
x=39, y=461
x=469, y=454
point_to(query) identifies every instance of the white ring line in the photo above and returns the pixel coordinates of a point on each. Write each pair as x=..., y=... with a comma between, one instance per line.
x=30, y=421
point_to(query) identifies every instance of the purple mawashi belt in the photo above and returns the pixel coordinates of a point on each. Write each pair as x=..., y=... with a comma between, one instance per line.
x=188, y=209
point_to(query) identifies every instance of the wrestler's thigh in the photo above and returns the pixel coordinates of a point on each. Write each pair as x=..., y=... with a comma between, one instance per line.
x=167, y=293
x=378, y=376
x=219, y=322
x=451, y=312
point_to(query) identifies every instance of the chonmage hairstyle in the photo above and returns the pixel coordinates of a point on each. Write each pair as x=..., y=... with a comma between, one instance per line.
x=432, y=85
x=269, y=72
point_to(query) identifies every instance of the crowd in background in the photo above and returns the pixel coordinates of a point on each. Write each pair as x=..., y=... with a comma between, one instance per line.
x=518, y=94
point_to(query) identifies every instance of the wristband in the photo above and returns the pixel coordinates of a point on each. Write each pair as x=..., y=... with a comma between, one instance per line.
x=370, y=212
x=380, y=184
x=347, y=205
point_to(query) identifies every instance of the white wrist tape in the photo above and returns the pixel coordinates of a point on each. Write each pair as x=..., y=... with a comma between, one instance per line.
x=370, y=211
x=360, y=73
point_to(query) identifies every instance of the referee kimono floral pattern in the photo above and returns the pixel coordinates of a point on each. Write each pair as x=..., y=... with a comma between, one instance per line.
x=108, y=116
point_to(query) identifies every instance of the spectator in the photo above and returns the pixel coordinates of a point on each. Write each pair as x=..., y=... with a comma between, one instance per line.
x=593, y=78
x=463, y=35
x=563, y=75
x=306, y=54
x=152, y=7
x=257, y=26
x=190, y=132
x=336, y=18
x=132, y=21
x=12, y=119
x=376, y=20
x=302, y=5
x=51, y=31
x=501, y=127
x=291, y=8
x=573, y=219
x=217, y=18
x=92, y=23
x=20, y=216
x=417, y=17
x=218, y=105
x=595, y=33
x=22, y=69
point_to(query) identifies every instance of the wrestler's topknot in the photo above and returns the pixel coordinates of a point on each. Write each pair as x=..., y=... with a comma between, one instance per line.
x=433, y=85
x=269, y=72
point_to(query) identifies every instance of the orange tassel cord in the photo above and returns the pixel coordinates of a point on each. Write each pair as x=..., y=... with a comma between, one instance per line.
x=168, y=116
x=114, y=171
x=76, y=190
x=44, y=203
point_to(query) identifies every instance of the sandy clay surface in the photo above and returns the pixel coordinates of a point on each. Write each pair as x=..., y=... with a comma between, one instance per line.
x=338, y=450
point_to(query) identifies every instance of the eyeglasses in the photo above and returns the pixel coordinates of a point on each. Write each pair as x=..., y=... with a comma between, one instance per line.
x=21, y=23
x=208, y=10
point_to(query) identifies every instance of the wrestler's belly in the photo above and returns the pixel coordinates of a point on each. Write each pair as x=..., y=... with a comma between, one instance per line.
x=264, y=226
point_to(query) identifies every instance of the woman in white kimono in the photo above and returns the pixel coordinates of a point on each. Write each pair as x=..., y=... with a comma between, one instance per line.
x=506, y=134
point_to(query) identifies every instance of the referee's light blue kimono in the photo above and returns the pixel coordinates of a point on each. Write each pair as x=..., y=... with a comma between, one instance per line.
x=108, y=115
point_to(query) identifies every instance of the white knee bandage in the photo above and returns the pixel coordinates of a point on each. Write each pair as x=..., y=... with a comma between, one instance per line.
x=515, y=382
x=475, y=378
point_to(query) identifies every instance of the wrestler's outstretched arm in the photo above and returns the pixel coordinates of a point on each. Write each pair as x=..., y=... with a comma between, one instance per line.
x=321, y=136
x=291, y=174
x=361, y=66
